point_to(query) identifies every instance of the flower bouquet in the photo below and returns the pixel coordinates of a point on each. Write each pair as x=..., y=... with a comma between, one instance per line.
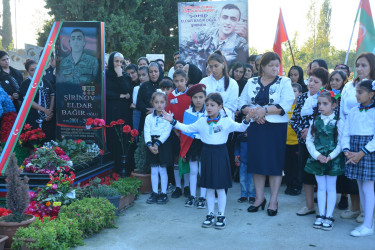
x=47, y=161
x=32, y=138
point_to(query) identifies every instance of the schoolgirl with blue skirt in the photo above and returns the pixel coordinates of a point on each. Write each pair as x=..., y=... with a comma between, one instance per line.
x=358, y=143
x=216, y=168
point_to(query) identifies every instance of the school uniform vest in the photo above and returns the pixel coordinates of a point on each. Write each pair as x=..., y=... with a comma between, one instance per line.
x=325, y=143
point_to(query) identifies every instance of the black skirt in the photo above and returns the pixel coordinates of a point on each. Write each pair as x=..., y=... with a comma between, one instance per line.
x=266, y=148
x=215, y=170
x=164, y=158
x=194, y=152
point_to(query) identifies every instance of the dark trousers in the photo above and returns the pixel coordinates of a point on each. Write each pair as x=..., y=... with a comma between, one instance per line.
x=291, y=169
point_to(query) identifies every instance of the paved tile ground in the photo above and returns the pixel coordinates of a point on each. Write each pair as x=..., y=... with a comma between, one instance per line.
x=173, y=226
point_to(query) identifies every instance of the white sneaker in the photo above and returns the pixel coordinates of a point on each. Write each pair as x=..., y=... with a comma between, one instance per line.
x=348, y=214
x=328, y=224
x=363, y=231
x=359, y=227
x=360, y=218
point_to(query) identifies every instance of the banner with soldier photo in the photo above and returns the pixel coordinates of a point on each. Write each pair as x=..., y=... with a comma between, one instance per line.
x=208, y=26
x=79, y=80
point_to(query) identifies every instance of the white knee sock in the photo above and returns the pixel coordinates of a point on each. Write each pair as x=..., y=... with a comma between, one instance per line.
x=361, y=194
x=331, y=194
x=322, y=194
x=155, y=179
x=211, y=201
x=221, y=200
x=163, y=179
x=369, y=200
x=186, y=180
x=193, y=177
x=177, y=177
x=203, y=190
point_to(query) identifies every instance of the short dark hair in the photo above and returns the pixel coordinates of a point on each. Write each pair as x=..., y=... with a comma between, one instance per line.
x=160, y=60
x=28, y=63
x=3, y=53
x=78, y=30
x=322, y=63
x=251, y=58
x=176, y=53
x=166, y=83
x=143, y=68
x=143, y=58
x=321, y=73
x=132, y=67
x=231, y=7
x=180, y=72
x=297, y=86
x=266, y=58
x=127, y=59
x=180, y=62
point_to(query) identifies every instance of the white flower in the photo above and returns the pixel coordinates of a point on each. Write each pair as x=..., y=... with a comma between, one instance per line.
x=29, y=164
x=71, y=194
x=69, y=163
x=373, y=85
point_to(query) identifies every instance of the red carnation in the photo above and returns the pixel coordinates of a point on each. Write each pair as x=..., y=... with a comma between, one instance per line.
x=120, y=121
x=27, y=126
x=33, y=137
x=134, y=132
x=89, y=121
x=126, y=129
x=101, y=151
x=113, y=123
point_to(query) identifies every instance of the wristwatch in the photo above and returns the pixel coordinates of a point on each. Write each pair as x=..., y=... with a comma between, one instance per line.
x=266, y=109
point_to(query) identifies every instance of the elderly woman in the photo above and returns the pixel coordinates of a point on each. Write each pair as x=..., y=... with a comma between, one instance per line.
x=267, y=98
x=118, y=89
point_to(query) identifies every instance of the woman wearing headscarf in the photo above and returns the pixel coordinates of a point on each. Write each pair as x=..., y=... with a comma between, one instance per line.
x=145, y=92
x=118, y=88
x=194, y=74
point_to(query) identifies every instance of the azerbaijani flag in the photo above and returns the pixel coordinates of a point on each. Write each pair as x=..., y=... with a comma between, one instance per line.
x=366, y=33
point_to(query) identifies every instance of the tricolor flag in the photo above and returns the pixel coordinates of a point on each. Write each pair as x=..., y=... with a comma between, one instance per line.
x=281, y=36
x=366, y=33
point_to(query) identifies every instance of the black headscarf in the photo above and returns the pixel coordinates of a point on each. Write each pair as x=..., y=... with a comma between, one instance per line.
x=161, y=73
x=194, y=74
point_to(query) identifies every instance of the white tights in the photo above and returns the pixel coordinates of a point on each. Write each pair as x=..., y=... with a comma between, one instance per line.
x=177, y=177
x=221, y=200
x=366, y=194
x=155, y=171
x=194, y=169
x=326, y=194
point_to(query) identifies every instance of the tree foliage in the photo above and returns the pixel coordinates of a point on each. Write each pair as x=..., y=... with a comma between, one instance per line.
x=133, y=27
x=7, y=25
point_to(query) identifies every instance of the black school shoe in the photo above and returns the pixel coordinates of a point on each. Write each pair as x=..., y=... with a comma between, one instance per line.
x=242, y=199
x=220, y=222
x=294, y=192
x=153, y=198
x=210, y=219
x=187, y=191
x=177, y=193
x=162, y=199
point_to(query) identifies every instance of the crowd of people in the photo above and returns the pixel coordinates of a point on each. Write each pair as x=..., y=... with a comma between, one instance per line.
x=313, y=128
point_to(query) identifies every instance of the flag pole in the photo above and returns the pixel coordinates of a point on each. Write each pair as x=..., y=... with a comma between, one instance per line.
x=351, y=37
x=290, y=46
x=291, y=52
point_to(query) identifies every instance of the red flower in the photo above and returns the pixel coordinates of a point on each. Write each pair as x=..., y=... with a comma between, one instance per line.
x=27, y=126
x=120, y=121
x=134, y=133
x=113, y=123
x=33, y=137
x=66, y=169
x=89, y=121
x=101, y=122
x=101, y=151
x=126, y=129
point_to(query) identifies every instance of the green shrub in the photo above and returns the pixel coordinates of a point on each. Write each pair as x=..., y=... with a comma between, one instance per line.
x=61, y=233
x=91, y=214
x=127, y=186
x=104, y=191
x=140, y=156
